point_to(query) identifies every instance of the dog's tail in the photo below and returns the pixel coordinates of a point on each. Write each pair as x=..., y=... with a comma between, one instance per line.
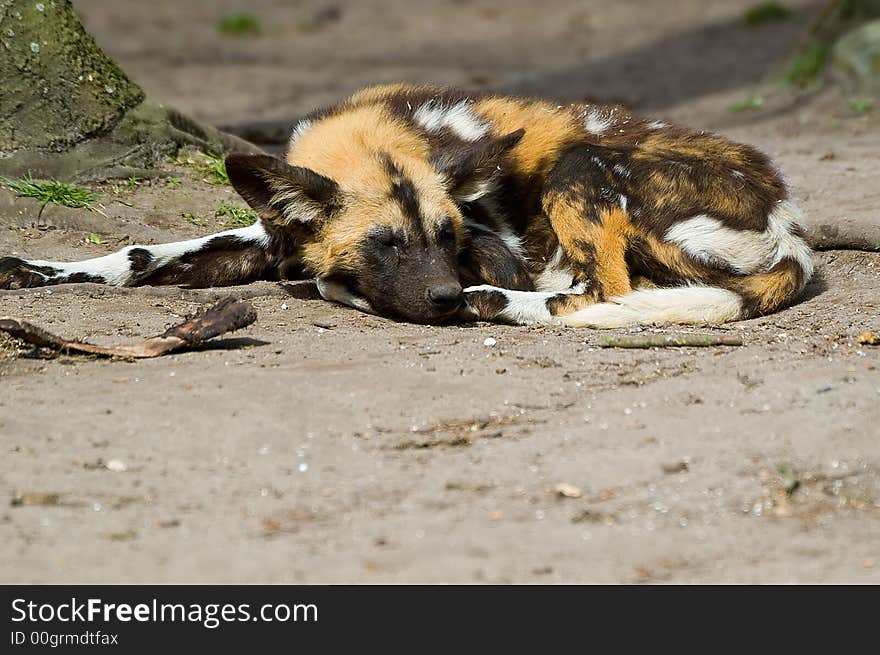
x=692, y=305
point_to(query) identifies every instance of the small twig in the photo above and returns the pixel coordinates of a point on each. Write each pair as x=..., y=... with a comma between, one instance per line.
x=670, y=341
x=226, y=316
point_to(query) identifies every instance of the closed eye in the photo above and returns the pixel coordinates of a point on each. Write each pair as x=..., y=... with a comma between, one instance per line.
x=385, y=237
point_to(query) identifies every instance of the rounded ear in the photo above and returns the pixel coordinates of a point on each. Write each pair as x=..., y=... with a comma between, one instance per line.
x=470, y=167
x=282, y=193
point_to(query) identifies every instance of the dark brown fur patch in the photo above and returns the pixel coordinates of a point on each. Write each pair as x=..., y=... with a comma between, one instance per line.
x=225, y=263
x=486, y=259
x=81, y=277
x=16, y=273
x=567, y=303
x=140, y=259
x=487, y=304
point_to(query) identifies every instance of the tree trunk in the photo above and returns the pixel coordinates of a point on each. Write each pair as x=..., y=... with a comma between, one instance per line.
x=67, y=111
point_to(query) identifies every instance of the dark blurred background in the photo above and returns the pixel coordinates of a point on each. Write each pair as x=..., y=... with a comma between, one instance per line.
x=231, y=62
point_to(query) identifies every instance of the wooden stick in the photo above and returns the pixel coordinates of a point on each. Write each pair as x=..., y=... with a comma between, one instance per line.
x=227, y=315
x=669, y=341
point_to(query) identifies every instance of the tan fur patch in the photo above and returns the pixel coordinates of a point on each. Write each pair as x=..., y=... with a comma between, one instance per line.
x=674, y=258
x=768, y=292
x=374, y=94
x=350, y=149
x=598, y=245
x=343, y=147
x=548, y=129
x=610, y=242
x=731, y=182
x=641, y=282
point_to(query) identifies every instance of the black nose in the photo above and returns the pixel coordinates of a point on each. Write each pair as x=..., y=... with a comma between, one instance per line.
x=446, y=297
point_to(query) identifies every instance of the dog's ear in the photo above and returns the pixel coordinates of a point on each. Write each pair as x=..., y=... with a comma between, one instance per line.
x=281, y=193
x=469, y=168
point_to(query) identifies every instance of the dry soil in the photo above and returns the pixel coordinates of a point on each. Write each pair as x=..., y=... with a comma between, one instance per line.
x=323, y=445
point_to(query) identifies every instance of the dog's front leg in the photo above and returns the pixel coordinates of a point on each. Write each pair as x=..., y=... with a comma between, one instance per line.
x=489, y=303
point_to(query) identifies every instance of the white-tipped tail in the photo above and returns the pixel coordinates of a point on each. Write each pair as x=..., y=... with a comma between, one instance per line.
x=689, y=305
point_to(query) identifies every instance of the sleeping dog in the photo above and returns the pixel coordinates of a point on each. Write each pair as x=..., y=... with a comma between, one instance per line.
x=432, y=204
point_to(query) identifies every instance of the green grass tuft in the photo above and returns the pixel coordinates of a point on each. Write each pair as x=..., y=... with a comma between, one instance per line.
x=861, y=105
x=805, y=69
x=46, y=191
x=752, y=103
x=239, y=24
x=211, y=167
x=193, y=219
x=789, y=478
x=236, y=215
x=767, y=12
x=173, y=182
x=214, y=170
x=128, y=186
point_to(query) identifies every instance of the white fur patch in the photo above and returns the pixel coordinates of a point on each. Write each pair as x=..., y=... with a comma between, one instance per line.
x=293, y=203
x=299, y=129
x=786, y=216
x=523, y=307
x=554, y=277
x=513, y=242
x=657, y=125
x=474, y=191
x=622, y=170
x=336, y=292
x=115, y=268
x=458, y=118
x=746, y=251
x=596, y=122
x=689, y=305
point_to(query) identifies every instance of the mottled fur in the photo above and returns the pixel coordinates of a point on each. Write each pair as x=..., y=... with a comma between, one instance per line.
x=583, y=214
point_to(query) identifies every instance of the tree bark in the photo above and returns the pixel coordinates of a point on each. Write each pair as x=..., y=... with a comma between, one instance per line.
x=67, y=110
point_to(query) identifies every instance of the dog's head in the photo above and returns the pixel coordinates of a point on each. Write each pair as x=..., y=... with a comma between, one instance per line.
x=386, y=229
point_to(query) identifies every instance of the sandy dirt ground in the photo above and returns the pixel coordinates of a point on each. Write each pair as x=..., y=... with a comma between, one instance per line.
x=324, y=445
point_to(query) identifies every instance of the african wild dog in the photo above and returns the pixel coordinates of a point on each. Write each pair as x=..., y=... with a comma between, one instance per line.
x=429, y=204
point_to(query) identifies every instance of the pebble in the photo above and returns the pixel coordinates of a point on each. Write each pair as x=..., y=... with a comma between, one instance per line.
x=567, y=490
x=489, y=342
x=116, y=465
